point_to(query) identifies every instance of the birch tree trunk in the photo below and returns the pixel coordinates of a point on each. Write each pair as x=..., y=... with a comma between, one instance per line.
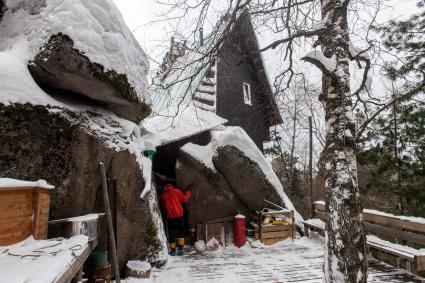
x=345, y=251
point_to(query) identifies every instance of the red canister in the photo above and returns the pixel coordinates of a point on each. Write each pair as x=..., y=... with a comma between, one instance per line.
x=239, y=230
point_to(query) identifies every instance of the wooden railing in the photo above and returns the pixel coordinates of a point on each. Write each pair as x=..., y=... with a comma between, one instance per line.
x=398, y=236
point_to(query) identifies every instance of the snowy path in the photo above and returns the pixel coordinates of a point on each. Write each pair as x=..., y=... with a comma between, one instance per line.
x=297, y=261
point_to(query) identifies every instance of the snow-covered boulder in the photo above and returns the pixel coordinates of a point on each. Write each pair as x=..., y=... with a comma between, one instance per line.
x=79, y=48
x=212, y=197
x=230, y=167
x=46, y=137
x=65, y=149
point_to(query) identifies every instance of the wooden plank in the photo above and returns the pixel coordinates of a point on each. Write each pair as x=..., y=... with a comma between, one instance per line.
x=16, y=203
x=216, y=230
x=391, y=250
x=272, y=228
x=420, y=262
x=14, y=230
x=394, y=222
x=199, y=232
x=77, y=264
x=396, y=233
x=222, y=219
x=269, y=235
x=278, y=212
x=320, y=214
x=319, y=207
x=41, y=214
x=5, y=189
x=272, y=241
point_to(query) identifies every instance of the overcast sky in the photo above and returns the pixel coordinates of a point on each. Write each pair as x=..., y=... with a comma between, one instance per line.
x=154, y=37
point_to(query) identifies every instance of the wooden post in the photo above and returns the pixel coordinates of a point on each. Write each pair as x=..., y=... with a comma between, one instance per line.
x=110, y=224
x=260, y=226
x=112, y=192
x=41, y=213
x=310, y=165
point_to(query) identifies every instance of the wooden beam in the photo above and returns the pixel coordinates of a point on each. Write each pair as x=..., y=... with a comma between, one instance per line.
x=394, y=233
x=394, y=222
x=41, y=213
x=319, y=206
x=271, y=235
x=77, y=264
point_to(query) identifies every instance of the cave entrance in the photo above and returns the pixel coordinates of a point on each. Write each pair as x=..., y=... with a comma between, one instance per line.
x=164, y=162
x=164, y=169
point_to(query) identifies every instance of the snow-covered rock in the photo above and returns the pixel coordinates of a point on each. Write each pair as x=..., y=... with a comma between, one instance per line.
x=233, y=171
x=79, y=47
x=48, y=137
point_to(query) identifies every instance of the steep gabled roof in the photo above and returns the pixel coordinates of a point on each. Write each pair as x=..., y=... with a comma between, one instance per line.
x=252, y=46
x=174, y=89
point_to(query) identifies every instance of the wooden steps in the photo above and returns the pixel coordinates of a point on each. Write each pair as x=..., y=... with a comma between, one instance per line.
x=205, y=94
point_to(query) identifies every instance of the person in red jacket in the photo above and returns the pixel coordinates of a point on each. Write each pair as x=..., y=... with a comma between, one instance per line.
x=171, y=201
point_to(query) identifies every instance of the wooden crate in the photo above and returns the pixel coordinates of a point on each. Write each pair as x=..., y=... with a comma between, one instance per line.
x=272, y=233
x=24, y=211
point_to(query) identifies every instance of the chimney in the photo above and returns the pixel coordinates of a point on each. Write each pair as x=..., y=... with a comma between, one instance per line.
x=201, y=36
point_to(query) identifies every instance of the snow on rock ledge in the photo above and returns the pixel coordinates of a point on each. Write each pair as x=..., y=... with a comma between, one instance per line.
x=232, y=154
x=82, y=47
x=13, y=183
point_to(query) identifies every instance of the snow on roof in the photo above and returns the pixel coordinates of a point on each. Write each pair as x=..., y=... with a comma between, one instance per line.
x=237, y=137
x=13, y=183
x=39, y=260
x=186, y=123
x=96, y=27
x=174, y=115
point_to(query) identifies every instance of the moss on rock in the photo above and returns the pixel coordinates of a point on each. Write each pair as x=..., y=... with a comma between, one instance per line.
x=70, y=72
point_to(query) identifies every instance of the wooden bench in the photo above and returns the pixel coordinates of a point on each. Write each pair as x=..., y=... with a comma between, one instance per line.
x=314, y=224
x=384, y=229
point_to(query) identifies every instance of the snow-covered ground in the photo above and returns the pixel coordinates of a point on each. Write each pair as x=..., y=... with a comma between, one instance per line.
x=298, y=260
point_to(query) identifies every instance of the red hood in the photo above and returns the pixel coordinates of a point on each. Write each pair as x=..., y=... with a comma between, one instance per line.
x=168, y=187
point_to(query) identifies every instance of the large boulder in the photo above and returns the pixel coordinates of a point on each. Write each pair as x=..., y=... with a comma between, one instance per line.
x=229, y=174
x=62, y=148
x=246, y=178
x=61, y=66
x=210, y=190
x=80, y=50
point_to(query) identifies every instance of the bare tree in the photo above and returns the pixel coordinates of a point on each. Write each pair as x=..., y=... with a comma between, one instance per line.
x=324, y=24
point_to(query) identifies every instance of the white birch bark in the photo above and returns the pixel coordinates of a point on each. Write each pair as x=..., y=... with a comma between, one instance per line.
x=345, y=251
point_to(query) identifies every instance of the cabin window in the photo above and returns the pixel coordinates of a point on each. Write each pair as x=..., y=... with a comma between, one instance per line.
x=247, y=93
